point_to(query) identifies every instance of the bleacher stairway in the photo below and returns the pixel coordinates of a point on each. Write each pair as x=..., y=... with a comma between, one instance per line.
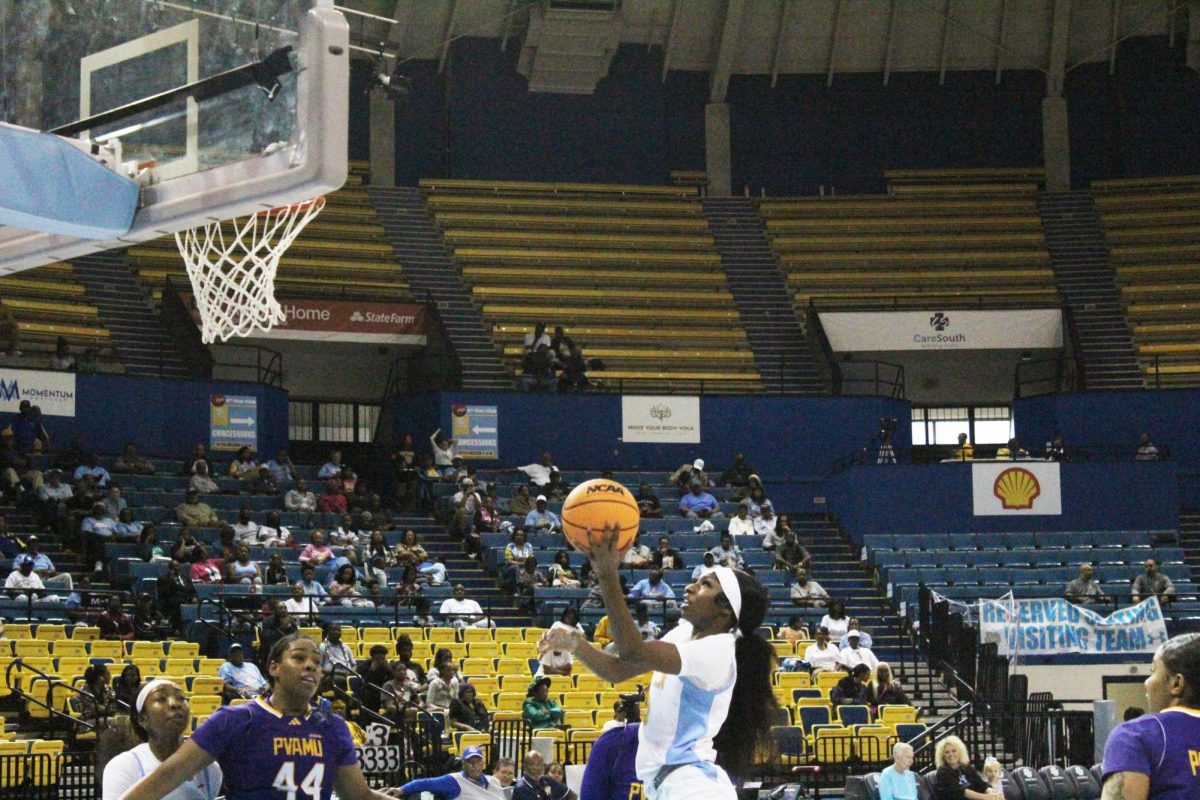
x=1087, y=283
x=431, y=273
x=752, y=272
x=143, y=345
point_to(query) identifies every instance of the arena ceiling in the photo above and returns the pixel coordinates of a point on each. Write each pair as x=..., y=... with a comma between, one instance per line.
x=779, y=37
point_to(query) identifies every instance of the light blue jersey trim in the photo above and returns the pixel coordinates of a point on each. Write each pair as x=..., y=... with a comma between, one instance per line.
x=695, y=707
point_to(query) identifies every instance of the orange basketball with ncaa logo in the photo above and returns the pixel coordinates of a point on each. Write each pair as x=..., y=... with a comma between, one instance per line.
x=596, y=503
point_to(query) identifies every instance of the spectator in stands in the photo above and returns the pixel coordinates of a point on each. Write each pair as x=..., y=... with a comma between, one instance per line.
x=898, y=781
x=884, y=690
x=62, y=360
x=646, y=626
x=522, y=502
x=956, y=779
x=148, y=548
x=737, y=475
x=835, y=620
x=638, y=556
x=409, y=585
x=312, y=587
x=316, y=553
x=822, y=655
x=741, y=524
x=243, y=467
x=348, y=483
x=29, y=434
x=539, y=711
x=537, y=370
x=993, y=773
x=529, y=578
x=204, y=569
x=852, y=689
x=855, y=653
x=537, y=784
x=55, y=497
x=487, y=518
x=654, y=592
x=854, y=628
x=699, y=504
x=464, y=502
x=409, y=551
x=114, y=623
x=795, y=630
x=790, y=554
x=336, y=655
x=332, y=468
x=345, y=533
x=126, y=687
x=17, y=471
x=43, y=566
x=539, y=473
x=1056, y=450
x=194, y=514
x=766, y=522
x=150, y=623
x=574, y=371
x=757, y=497
x=707, y=564
x=131, y=462
x=97, y=703
x=377, y=547
x=85, y=494
x=542, y=520
x=375, y=672
x=1012, y=450
x=560, y=662
x=10, y=545
x=95, y=530
x=1146, y=450
x=505, y=772
x=556, y=489
x=467, y=713
x=461, y=612
x=127, y=529
x=263, y=483
x=443, y=687
x=184, y=545
x=281, y=468
x=404, y=658
x=201, y=481
x=665, y=557
x=332, y=502
x=399, y=690
x=279, y=624
x=273, y=533
x=300, y=605
x=23, y=581
x=965, y=450
x=445, y=449
x=344, y=589
x=728, y=554
x=242, y=678
x=806, y=592
x=174, y=592
x=243, y=570
x=1154, y=583
x=1085, y=589
x=688, y=474
x=300, y=500
x=114, y=503
x=648, y=502
x=197, y=456
x=561, y=574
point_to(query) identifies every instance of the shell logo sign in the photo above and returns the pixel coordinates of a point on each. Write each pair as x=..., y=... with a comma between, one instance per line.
x=1024, y=488
x=1016, y=488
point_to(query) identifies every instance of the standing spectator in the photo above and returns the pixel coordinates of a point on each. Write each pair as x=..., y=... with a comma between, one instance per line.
x=174, y=592
x=560, y=662
x=445, y=450
x=114, y=623
x=1153, y=583
x=540, y=520
x=539, y=473
x=539, y=711
x=1146, y=450
x=460, y=612
x=728, y=554
x=1084, y=589
x=242, y=678
x=699, y=504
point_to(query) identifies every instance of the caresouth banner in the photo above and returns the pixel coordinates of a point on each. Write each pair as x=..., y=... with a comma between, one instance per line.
x=1044, y=626
x=1016, y=488
x=52, y=392
x=664, y=419
x=1017, y=329
x=351, y=321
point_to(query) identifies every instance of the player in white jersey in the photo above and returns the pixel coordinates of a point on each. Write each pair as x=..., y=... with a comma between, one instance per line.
x=711, y=703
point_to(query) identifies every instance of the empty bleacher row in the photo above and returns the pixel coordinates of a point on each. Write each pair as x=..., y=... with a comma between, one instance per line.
x=46, y=303
x=342, y=253
x=631, y=273
x=1150, y=228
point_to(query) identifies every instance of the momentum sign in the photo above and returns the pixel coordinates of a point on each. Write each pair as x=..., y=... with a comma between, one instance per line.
x=52, y=392
x=1017, y=329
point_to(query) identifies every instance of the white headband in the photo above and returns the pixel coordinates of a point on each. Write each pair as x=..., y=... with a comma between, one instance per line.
x=733, y=592
x=157, y=683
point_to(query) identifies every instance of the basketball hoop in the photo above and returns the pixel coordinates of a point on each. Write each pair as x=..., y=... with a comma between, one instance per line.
x=233, y=277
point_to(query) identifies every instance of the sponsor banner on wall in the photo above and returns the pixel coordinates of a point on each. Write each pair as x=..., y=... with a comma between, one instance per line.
x=1018, y=329
x=476, y=430
x=233, y=421
x=52, y=392
x=1016, y=488
x=668, y=419
x=351, y=321
x=1043, y=626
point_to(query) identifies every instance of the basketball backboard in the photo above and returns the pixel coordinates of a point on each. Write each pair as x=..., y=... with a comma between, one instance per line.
x=224, y=156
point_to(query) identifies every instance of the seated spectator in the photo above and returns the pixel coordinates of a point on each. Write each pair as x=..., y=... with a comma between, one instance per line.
x=638, y=556
x=790, y=554
x=273, y=533
x=654, y=592
x=278, y=624
x=202, y=482
x=529, y=579
x=409, y=551
x=148, y=622
x=331, y=468
x=377, y=547
x=301, y=605
x=174, y=592
x=956, y=779
x=332, y=501
x=560, y=662
x=316, y=553
x=728, y=554
x=443, y=687
x=243, y=467
x=312, y=587
x=194, y=514
x=410, y=584
x=90, y=467
x=345, y=533
x=515, y=553
x=243, y=570
x=540, y=520
x=348, y=483
x=18, y=476
x=281, y=468
x=10, y=545
x=23, y=581
x=43, y=566
x=556, y=490
x=1146, y=450
x=197, y=457
x=1085, y=589
x=665, y=557
x=114, y=503
x=114, y=623
x=884, y=690
x=28, y=432
x=125, y=528
x=184, y=545
x=707, y=564
x=766, y=521
x=539, y=711
x=467, y=713
x=522, y=502
x=148, y=547
x=131, y=462
x=573, y=377
x=822, y=655
x=55, y=497
x=399, y=691
x=539, y=783
x=242, y=678
x=461, y=612
x=487, y=518
x=646, y=626
x=445, y=449
x=263, y=483
x=699, y=504
x=537, y=370
x=375, y=672
x=97, y=702
x=965, y=450
x=737, y=474
x=855, y=629
x=95, y=530
x=852, y=689
x=756, y=498
x=835, y=620
x=688, y=474
x=1153, y=583
x=648, y=502
x=854, y=653
x=204, y=569
x=299, y=499
x=561, y=573
x=336, y=655
x=126, y=687
x=741, y=524
x=276, y=574
x=344, y=589
x=795, y=630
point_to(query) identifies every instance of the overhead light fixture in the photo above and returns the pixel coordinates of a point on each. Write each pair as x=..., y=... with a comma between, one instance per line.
x=395, y=85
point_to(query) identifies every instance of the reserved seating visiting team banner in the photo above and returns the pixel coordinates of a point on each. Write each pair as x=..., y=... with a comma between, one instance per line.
x=1050, y=626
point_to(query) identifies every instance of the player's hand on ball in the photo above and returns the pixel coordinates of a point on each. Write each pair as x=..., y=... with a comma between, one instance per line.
x=602, y=548
x=559, y=639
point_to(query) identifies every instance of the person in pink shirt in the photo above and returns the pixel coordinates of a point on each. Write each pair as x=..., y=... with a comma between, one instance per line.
x=204, y=569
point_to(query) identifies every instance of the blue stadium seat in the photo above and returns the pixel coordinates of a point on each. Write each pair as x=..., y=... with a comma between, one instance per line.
x=1015, y=558
x=909, y=542
x=955, y=559
x=985, y=558
x=1052, y=541
x=964, y=541
x=916, y=559
x=991, y=541
x=1021, y=541
x=890, y=558
x=878, y=541
x=964, y=576
x=936, y=541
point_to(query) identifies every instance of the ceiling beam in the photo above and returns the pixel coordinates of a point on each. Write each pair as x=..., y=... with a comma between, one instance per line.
x=674, y=26
x=1060, y=36
x=890, y=42
x=1003, y=35
x=1193, y=41
x=1021, y=59
x=1114, y=33
x=833, y=41
x=398, y=33
x=785, y=8
x=945, y=54
x=508, y=20
x=731, y=37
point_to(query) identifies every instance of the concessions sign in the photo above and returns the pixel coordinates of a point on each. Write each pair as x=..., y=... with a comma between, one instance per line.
x=1049, y=626
x=351, y=321
x=1023, y=329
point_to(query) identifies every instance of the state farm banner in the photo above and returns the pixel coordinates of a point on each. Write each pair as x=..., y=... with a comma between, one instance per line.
x=668, y=418
x=1018, y=329
x=1043, y=626
x=352, y=321
x=1016, y=488
x=52, y=392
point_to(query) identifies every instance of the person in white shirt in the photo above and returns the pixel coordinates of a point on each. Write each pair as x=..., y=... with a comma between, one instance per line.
x=331, y=468
x=300, y=499
x=445, y=450
x=707, y=565
x=245, y=530
x=539, y=474
x=854, y=655
x=864, y=638
x=694, y=736
x=300, y=605
x=741, y=524
x=836, y=621
x=560, y=662
x=460, y=612
x=821, y=655
x=336, y=655
x=23, y=579
x=765, y=522
x=806, y=592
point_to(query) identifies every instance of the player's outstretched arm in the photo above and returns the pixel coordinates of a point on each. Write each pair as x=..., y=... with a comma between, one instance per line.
x=1126, y=786
x=189, y=759
x=349, y=784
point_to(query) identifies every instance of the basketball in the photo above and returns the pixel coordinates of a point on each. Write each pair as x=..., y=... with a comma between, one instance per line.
x=596, y=503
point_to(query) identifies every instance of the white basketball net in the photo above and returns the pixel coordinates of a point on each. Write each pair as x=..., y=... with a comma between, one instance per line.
x=233, y=277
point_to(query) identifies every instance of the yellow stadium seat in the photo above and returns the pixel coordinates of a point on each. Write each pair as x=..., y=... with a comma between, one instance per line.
x=313, y=632
x=85, y=633
x=478, y=666
x=512, y=666
x=31, y=648
x=587, y=682
x=45, y=762
x=178, y=649
x=833, y=745
x=102, y=648
x=534, y=635
x=206, y=685
x=375, y=635
x=583, y=735
x=510, y=701
x=416, y=634
x=485, y=686
x=481, y=740
x=441, y=635
x=143, y=650
x=873, y=748
x=51, y=633
x=515, y=683
x=198, y=720
x=488, y=649
x=827, y=680
x=180, y=666
x=69, y=648
x=208, y=666
x=578, y=718
x=895, y=714
x=70, y=667
x=520, y=650
x=792, y=680
x=204, y=704
x=477, y=635
x=12, y=770
x=18, y=631
x=783, y=648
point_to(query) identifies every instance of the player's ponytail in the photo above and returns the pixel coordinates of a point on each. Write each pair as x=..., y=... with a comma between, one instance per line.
x=746, y=735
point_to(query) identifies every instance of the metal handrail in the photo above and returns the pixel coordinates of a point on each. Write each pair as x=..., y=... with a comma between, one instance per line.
x=54, y=682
